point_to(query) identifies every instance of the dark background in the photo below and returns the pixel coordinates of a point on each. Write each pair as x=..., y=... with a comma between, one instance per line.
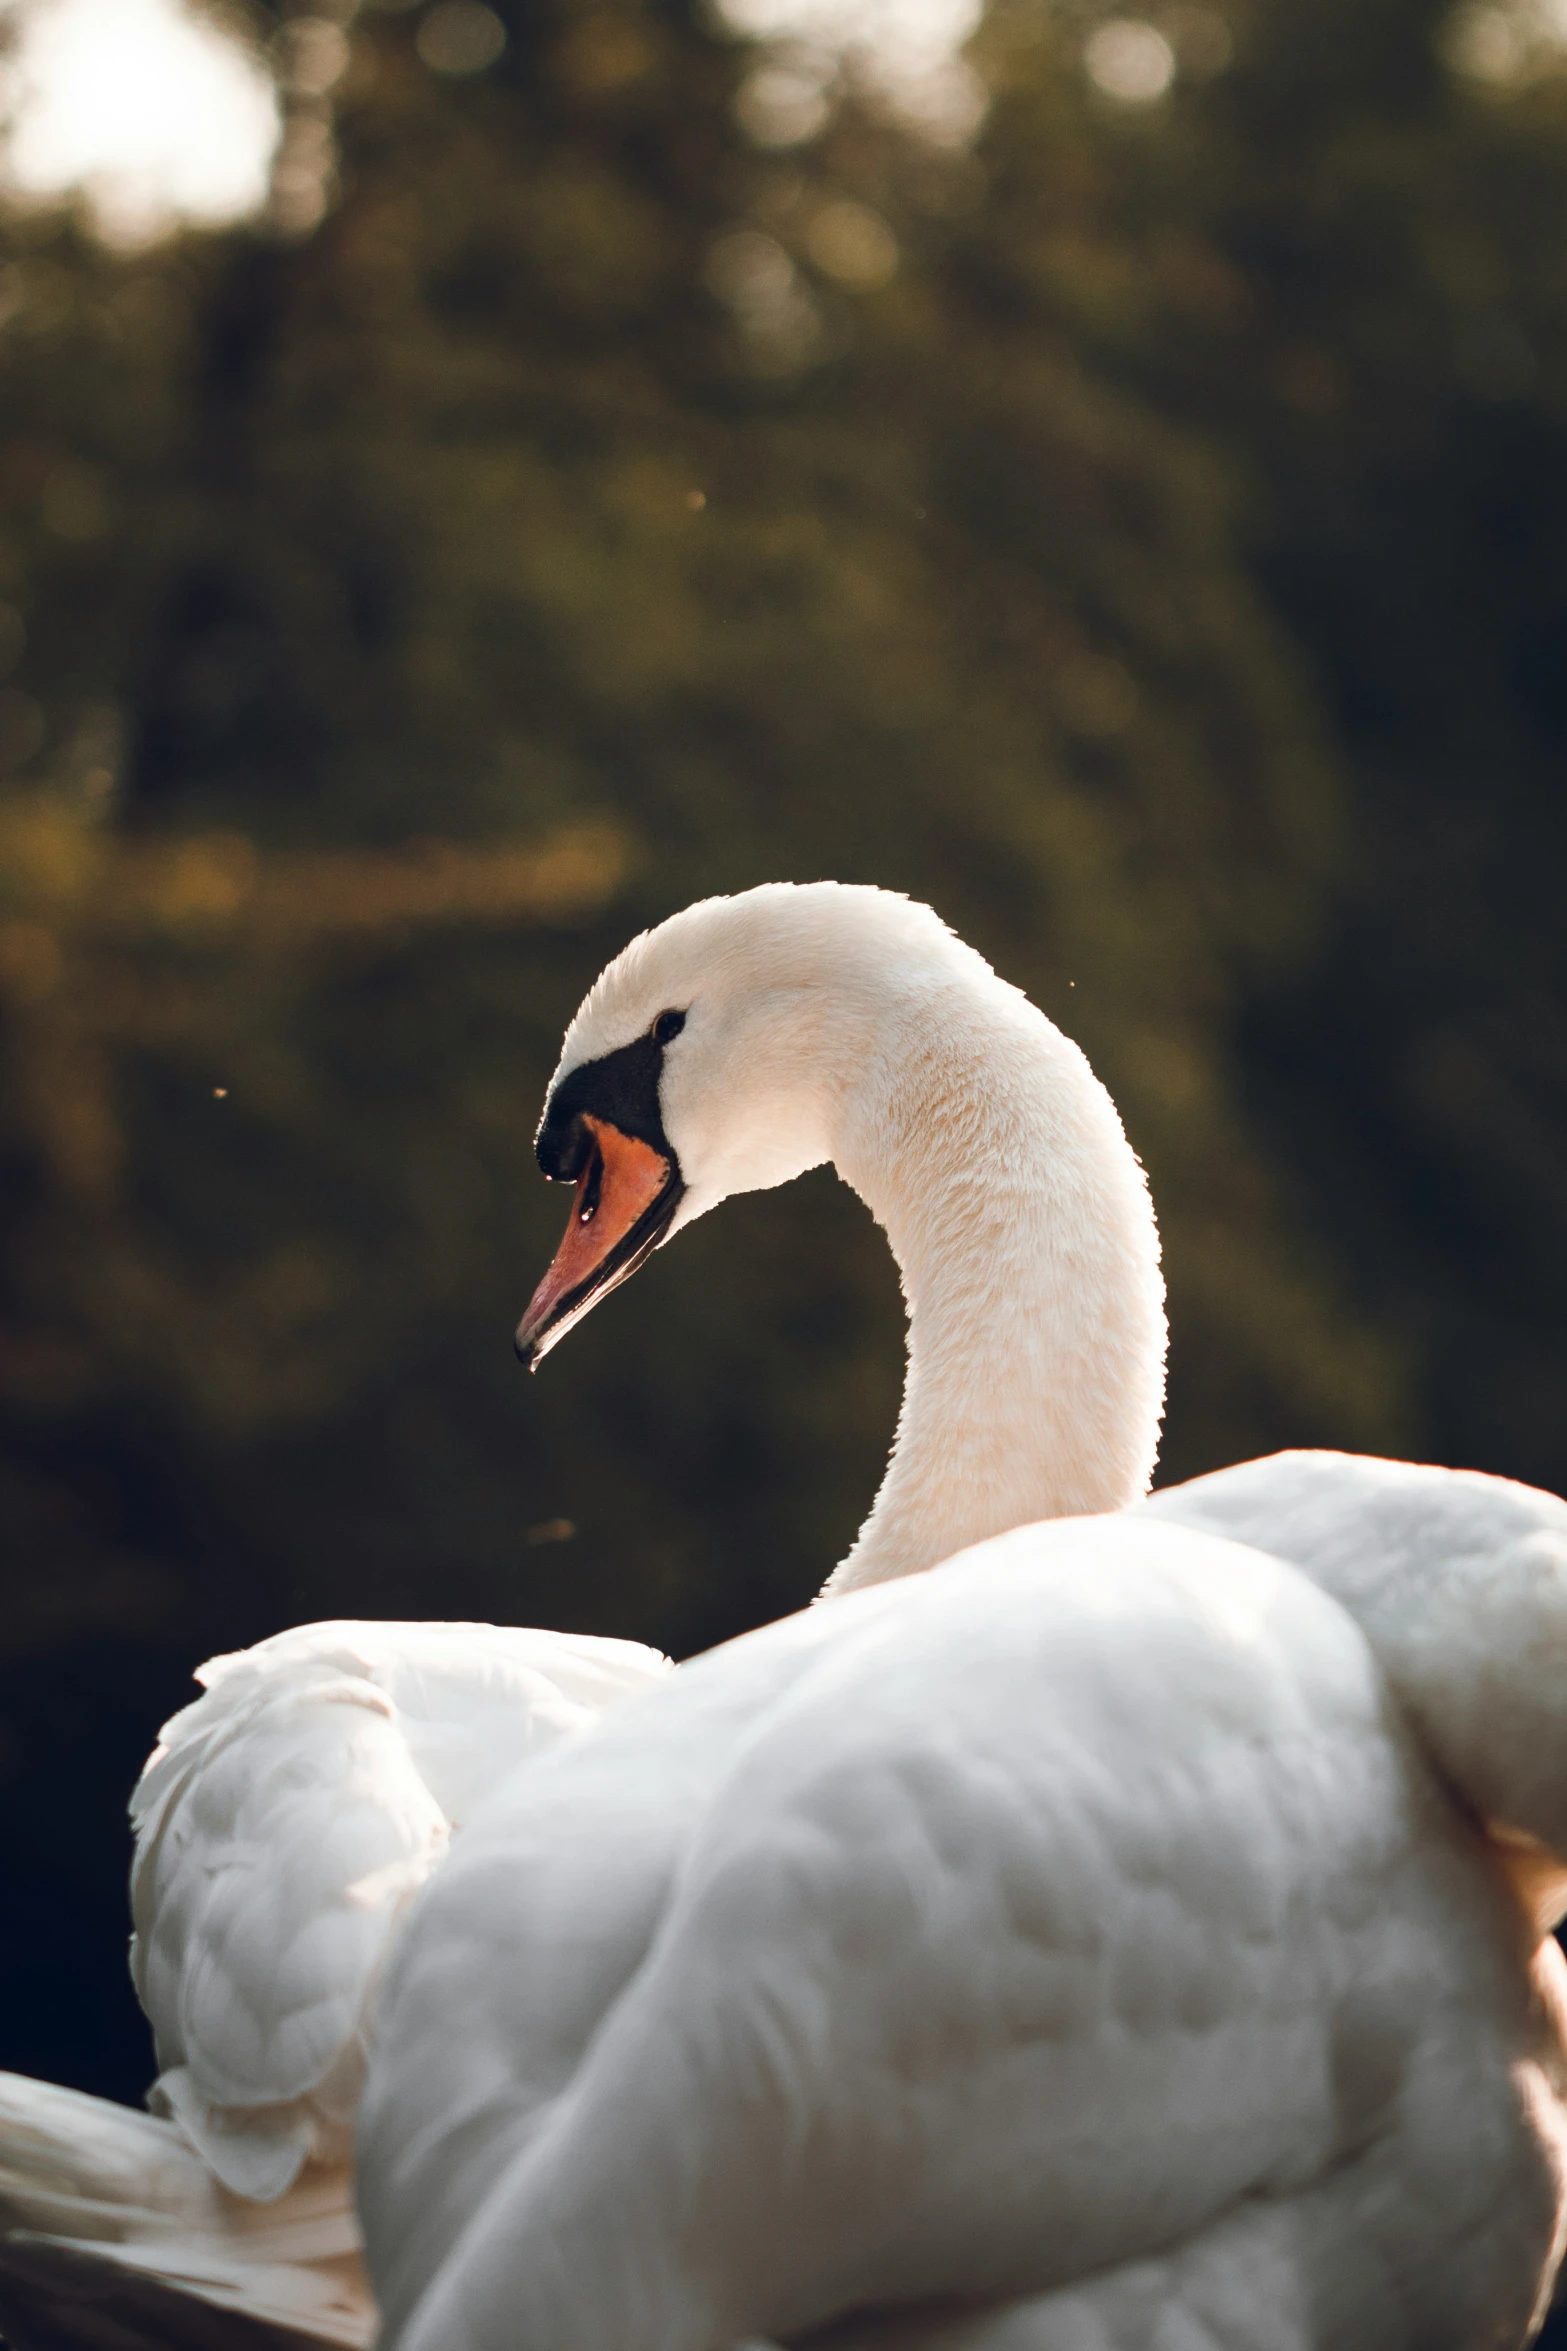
x=1138, y=530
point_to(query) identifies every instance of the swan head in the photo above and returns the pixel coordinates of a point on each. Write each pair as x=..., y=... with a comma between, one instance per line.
x=710, y=1058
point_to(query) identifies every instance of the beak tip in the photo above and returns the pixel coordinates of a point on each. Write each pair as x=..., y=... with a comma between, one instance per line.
x=639, y=1188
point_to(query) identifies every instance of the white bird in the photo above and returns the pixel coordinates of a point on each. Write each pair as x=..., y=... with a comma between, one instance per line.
x=304, y=1799
x=1118, y=1940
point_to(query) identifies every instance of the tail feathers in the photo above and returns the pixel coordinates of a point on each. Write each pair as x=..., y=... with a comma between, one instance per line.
x=114, y=2236
x=63, y=2294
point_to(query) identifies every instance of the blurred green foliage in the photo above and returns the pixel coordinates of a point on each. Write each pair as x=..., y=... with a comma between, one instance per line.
x=1133, y=530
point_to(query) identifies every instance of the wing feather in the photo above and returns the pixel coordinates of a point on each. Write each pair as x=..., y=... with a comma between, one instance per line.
x=284, y=1823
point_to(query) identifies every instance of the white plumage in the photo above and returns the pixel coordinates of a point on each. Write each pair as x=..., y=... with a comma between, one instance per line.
x=119, y=2238
x=283, y=1824
x=1121, y=1939
x=1118, y=1938
x=1459, y=1583
x=1080, y=1915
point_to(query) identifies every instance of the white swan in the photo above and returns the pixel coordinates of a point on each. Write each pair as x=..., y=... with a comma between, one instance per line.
x=303, y=1799
x=1119, y=1938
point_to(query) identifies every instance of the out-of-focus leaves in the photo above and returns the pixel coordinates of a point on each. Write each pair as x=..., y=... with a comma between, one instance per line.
x=146, y=982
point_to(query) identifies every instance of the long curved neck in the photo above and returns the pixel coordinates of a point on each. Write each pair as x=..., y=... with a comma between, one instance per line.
x=982, y=1141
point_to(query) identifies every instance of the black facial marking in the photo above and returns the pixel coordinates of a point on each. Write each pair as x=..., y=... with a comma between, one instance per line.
x=621, y=1087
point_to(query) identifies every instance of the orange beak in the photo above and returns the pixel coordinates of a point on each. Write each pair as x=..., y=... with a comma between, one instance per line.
x=626, y=1195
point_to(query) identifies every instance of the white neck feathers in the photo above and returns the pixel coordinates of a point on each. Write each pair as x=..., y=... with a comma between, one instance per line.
x=1020, y=1219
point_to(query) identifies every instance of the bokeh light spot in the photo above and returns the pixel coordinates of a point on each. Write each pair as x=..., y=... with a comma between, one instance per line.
x=905, y=52
x=853, y=244
x=314, y=55
x=1130, y=60
x=755, y=278
x=461, y=37
x=156, y=114
x=782, y=105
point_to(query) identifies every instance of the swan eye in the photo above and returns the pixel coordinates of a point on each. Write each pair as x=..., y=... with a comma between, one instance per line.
x=667, y=1025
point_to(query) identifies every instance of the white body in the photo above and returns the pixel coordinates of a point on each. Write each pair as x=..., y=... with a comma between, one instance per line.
x=1078, y=1932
